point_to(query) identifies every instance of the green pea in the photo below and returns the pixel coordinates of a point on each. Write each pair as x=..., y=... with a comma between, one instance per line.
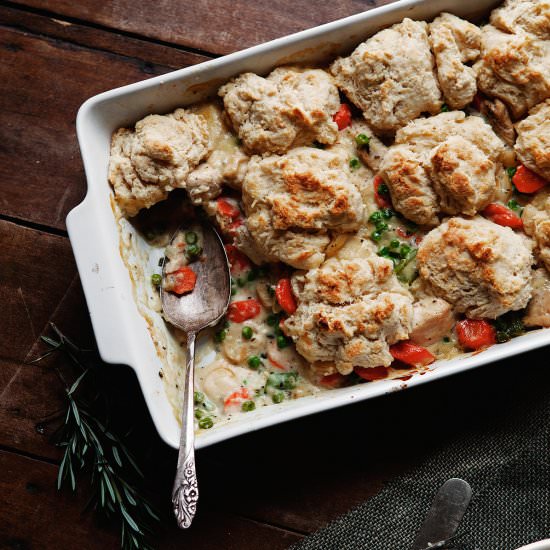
x=375, y=216
x=156, y=279
x=247, y=333
x=394, y=243
x=446, y=339
x=220, y=335
x=404, y=250
x=208, y=405
x=199, y=414
x=381, y=226
x=198, y=397
x=191, y=237
x=248, y=406
x=383, y=189
x=278, y=397
x=241, y=282
x=233, y=291
x=444, y=108
x=254, y=362
x=376, y=236
x=362, y=140
x=252, y=275
x=511, y=171
x=384, y=251
x=193, y=251
x=282, y=342
x=354, y=163
x=387, y=213
x=513, y=205
x=272, y=320
x=206, y=423
x=282, y=380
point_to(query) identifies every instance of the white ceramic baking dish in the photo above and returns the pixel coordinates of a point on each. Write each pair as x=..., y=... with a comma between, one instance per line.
x=121, y=332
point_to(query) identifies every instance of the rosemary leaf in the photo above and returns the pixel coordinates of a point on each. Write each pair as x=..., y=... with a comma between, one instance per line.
x=91, y=448
x=129, y=496
x=117, y=456
x=76, y=383
x=109, y=486
x=75, y=412
x=129, y=519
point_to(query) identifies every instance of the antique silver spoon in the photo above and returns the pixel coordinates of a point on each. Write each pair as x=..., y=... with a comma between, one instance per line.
x=201, y=308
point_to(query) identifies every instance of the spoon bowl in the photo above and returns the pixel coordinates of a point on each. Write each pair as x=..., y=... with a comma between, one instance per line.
x=202, y=307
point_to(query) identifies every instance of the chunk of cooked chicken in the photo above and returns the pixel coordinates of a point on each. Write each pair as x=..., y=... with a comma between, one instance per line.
x=536, y=222
x=350, y=309
x=455, y=42
x=433, y=318
x=291, y=107
x=147, y=163
x=499, y=118
x=515, y=63
x=222, y=167
x=481, y=268
x=226, y=165
x=292, y=201
x=538, y=310
x=391, y=76
x=533, y=143
x=448, y=164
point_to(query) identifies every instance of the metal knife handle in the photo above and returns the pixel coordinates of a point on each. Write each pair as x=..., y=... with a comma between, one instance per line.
x=185, y=492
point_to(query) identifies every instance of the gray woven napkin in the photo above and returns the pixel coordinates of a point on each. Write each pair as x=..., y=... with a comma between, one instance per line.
x=506, y=461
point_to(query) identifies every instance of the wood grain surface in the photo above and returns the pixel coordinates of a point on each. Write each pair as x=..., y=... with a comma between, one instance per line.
x=212, y=26
x=262, y=490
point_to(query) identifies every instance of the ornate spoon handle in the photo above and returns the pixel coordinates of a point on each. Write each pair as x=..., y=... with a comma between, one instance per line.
x=185, y=493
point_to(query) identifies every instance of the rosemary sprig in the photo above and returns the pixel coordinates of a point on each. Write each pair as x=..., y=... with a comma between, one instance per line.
x=90, y=446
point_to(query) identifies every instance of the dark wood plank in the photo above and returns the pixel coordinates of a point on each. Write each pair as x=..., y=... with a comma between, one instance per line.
x=148, y=52
x=214, y=26
x=44, y=83
x=29, y=396
x=33, y=515
x=36, y=271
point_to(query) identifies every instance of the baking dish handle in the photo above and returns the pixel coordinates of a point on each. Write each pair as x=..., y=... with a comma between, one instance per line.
x=104, y=287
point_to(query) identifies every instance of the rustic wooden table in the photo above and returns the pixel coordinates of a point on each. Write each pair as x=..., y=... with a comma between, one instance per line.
x=264, y=490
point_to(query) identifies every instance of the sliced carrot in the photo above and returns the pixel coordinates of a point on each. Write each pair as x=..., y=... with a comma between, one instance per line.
x=527, y=181
x=275, y=363
x=372, y=373
x=226, y=208
x=241, y=311
x=411, y=354
x=283, y=293
x=236, y=398
x=237, y=260
x=475, y=334
x=382, y=199
x=333, y=380
x=185, y=280
x=499, y=214
x=343, y=116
